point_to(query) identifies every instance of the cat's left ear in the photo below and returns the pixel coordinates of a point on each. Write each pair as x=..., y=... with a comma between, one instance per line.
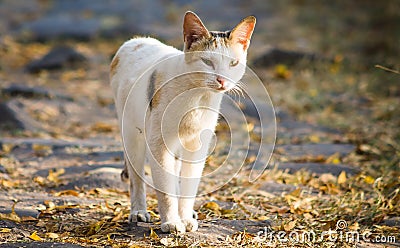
x=241, y=34
x=193, y=29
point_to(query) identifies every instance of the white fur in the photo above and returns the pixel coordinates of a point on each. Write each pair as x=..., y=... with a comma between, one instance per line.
x=170, y=135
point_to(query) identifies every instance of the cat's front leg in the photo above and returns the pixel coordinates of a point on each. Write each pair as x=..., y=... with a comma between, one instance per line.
x=166, y=182
x=191, y=172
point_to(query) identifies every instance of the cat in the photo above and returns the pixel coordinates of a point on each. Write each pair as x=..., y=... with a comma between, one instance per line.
x=165, y=98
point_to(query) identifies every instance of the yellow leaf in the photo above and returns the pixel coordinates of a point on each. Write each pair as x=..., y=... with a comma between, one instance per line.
x=213, y=206
x=52, y=235
x=153, y=235
x=53, y=175
x=262, y=217
x=281, y=71
x=333, y=159
x=35, y=237
x=313, y=92
x=102, y=127
x=342, y=177
x=249, y=127
x=369, y=180
x=314, y=138
x=7, y=148
x=13, y=216
x=289, y=226
x=67, y=192
x=41, y=150
x=5, y=230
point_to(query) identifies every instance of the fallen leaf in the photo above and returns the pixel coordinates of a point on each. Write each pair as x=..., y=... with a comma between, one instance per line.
x=13, y=216
x=314, y=138
x=281, y=71
x=67, y=192
x=167, y=241
x=41, y=150
x=369, y=180
x=289, y=226
x=102, y=127
x=342, y=178
x=5, y=230
x=35, y=237
x=213, y=206
x=153, y=235
x=333, y=159
x=52, y=235
x=7, y=148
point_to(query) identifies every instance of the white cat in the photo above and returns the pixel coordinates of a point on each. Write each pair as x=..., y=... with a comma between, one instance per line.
x=165, y=99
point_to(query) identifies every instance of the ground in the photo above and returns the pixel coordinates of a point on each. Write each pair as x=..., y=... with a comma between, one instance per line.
x=332, y=75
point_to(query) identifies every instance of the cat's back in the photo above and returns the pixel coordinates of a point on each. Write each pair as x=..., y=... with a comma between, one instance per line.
x=135, y=57
x=138, y=54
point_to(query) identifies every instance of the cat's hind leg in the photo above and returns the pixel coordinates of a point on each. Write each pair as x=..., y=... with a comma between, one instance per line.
x=134, y=165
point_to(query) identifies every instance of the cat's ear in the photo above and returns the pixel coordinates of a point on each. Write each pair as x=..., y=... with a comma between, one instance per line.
x=193, y=29
x=241, y=34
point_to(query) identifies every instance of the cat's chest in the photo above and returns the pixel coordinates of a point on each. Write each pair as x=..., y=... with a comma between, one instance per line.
x=200, y=115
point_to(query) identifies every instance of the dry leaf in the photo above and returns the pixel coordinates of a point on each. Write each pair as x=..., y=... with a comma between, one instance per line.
x=35, y=237
x=213, y=206
x=53, y=175
x=5, y=230
x=281, y=71
x=314, y=138
x=153, y=235
x=52, y=235
x=7, y=148
x=333, y=159
x=289, y=226
x=13, y=216
x=342, y=178
x=102, y=127
x=369, y=180
x=41, y=150
x=67, y=192
x=167, y=241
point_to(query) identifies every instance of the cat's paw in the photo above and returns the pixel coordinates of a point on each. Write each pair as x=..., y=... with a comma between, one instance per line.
x=191, y=225
x=139, y=216
x=175, y=226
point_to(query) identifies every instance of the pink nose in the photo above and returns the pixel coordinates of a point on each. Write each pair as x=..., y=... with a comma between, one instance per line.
x=221, y=81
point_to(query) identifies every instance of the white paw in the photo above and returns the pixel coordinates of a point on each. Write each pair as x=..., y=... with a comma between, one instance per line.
x=139, y=216
x=191, y=225
x=175, y=226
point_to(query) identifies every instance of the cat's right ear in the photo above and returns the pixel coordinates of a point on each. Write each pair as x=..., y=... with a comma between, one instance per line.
x=193, y=30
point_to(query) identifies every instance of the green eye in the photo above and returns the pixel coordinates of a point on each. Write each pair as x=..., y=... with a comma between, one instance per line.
x=234, y=63
x=207, y=62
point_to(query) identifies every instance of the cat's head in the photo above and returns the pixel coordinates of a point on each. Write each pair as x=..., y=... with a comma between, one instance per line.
x=221, y=54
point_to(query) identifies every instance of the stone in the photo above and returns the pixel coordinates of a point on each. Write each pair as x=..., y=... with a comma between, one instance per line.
x=318, y=168
x=19, y=90
x=57, y=58
x=276, y=56
x=293, y=152
x=14, y=117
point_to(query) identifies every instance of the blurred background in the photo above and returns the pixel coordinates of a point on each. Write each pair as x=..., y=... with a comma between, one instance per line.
x=331, y=69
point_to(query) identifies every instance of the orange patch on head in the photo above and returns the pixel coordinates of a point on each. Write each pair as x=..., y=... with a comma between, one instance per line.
x=114, y=65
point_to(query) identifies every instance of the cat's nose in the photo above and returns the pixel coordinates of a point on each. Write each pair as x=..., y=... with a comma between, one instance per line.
x=221, y=81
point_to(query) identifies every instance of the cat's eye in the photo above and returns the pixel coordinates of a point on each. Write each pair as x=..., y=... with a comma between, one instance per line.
x=234, y=63
x=208, y=62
